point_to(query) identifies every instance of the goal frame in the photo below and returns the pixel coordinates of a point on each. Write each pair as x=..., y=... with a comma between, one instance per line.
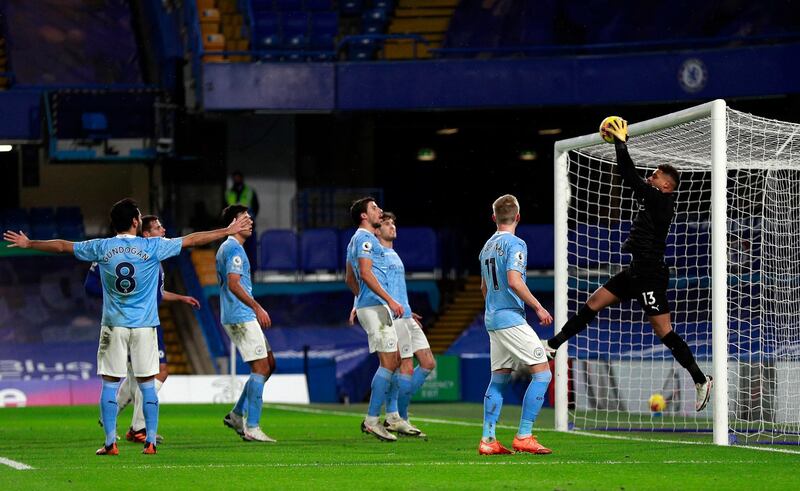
x=716, y=111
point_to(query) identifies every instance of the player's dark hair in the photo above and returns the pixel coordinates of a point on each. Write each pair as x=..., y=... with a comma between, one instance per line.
x=231, y=212
x=122, y=214
x=388, y=215
x=358, y=207
x=147, y=222
x=673, y=174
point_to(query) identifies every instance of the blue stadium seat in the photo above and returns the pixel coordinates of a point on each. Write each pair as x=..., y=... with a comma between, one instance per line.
x=344, y=240
x=317, y=5
x=596, y=247
x=44, y=231
x=95, y=126
x=69, y=214
x=16, y=219
x=363, y=49
x=418, y=248
x=374, y=21
x=262, y=6
x=295, y=30
x=267, y=31
x=42, y=215
x=71, y=231
x=387, y=5
x=288, y=5
x=324, y=27
x=319, y=249
x=278, y=250
x=351, y=7
x=539, y=239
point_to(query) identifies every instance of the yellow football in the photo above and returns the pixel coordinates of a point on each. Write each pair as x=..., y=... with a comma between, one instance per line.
x=657, y=403
x=603, y=133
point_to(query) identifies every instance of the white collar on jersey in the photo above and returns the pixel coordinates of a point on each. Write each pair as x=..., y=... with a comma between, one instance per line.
x=126, y=236
x=502, y=232
x=365, y=230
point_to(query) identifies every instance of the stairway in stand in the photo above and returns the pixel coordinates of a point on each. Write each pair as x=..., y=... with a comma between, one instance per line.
x=428, y=18
x=177, y=361
x=457, y=315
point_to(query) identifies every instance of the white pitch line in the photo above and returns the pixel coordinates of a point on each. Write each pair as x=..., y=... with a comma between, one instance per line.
x=361, y=415
x=490, y=462
x=573, y=432
x=14, y=464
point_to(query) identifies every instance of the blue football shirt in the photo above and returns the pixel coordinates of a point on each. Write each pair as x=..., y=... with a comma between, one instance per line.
x=502, y=253
x=365, y=245
x=231, y=258
x=396, y=279
x=129, y=271
x=94, y=287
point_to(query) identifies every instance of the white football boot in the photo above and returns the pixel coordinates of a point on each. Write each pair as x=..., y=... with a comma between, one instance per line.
x=257, y=435
x=703, y=393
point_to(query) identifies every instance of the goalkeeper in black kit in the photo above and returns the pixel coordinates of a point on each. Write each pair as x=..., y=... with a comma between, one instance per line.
x=646, y=278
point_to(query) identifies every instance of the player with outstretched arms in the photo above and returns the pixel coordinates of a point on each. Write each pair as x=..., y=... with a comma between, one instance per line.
x=366, y=276
x=243, y=319
x=504, y=262
x=647, y=277
x=129, y=391
x=129, y=267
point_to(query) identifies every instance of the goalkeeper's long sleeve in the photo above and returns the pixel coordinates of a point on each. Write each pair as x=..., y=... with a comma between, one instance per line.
x=627, y=171
x=647, y=239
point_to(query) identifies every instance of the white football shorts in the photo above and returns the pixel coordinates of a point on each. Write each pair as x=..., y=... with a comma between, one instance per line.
x=249, y=340
x=518, y=344
x=410, y=337
x=377, y=322
x=116, y=343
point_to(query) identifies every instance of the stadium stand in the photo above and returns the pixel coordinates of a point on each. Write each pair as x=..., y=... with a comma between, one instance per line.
x=72, y=42
x=319, y=250
x=279, y=251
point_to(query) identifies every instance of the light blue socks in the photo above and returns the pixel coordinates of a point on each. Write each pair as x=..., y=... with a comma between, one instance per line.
x=108, y=410
x=532, y=402
x=493, y=402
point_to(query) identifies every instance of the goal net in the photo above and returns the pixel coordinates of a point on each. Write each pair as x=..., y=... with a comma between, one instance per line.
x=753, y=326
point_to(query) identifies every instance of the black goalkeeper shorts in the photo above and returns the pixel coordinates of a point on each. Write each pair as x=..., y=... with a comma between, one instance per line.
x=647, y=282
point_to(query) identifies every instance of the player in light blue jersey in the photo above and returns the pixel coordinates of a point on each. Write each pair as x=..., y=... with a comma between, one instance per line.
x=129, y=267
x=504, y=260
x=411, y=341
x=243, y=319
x=129, y=390
x=366, y=276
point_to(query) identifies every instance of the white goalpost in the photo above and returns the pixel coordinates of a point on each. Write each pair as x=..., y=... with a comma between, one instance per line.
x=734, y=258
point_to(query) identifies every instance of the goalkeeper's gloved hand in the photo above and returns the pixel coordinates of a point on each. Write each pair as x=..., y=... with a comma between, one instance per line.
x=618, y=128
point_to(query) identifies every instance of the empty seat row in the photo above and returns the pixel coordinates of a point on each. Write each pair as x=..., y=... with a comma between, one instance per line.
x=290, y=5
x=295, y=30
x=45, y=223
x=325, y=249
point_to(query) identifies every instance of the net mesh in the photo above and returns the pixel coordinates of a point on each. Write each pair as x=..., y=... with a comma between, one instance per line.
x=617, y=363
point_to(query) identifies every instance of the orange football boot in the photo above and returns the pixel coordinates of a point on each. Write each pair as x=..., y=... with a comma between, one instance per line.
x=493, y=448
x=109, y=450
x=149, y=448
x=136, y=436
x=530, y=445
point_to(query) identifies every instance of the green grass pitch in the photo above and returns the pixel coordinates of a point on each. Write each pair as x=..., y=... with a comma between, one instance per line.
x=321, y=447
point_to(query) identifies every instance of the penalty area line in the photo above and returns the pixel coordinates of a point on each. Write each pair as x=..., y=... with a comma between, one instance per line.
x=15, y=465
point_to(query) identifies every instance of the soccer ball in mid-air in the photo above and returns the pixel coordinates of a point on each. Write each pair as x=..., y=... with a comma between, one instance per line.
x=657, y=404
x=604, y=124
